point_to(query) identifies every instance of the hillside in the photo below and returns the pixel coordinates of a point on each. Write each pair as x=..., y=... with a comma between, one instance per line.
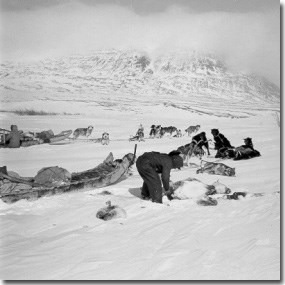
x=194, y=78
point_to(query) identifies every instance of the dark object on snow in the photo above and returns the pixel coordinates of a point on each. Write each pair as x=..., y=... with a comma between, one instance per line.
x=207, y=201
x=13, y=139
x=168, y=130
x=149, y=165
x=195, y=148
x=110, y=212
x=105, y=192
x=192, y=129
x=3, y=169
x=83, y=132
x=189, y=150
x=236, y=195
x=200, y=140
x=138, y=137
x=217, y=169
x=155, y=131
x=104, y=174
x=246, y=151
x=222, y=144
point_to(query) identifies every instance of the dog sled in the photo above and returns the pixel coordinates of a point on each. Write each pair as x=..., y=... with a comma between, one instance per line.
x=44, y=137
x=61, y=136
x=110, y=171
x=3, y=134
x=136, y=138
x=30, y=138
x=139, y=136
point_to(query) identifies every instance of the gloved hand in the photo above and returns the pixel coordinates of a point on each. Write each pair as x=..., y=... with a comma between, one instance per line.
x=169, y=192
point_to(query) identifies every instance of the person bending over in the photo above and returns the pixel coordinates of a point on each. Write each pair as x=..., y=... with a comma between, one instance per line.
x=149, y=165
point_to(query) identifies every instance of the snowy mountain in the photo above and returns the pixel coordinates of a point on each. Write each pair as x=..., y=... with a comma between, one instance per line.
x=191, y=77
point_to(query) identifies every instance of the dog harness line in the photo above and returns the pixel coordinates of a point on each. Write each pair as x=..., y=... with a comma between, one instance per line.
x=219, y=137
x=197, y=143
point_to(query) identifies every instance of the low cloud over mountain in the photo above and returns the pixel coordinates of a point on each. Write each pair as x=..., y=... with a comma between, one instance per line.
x=248, y=41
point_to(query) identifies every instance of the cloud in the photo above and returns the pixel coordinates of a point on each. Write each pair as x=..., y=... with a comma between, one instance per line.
x=248, y=41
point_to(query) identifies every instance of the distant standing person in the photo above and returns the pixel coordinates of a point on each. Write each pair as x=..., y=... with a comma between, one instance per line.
x=149, y=165
x=13, y=138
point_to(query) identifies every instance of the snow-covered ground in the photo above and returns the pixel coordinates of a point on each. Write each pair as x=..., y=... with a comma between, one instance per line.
x=59, y=237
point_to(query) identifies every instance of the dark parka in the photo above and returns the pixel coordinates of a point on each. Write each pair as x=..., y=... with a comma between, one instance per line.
x=13, y=138
x=149, y=165
x=221, y=142
x=200, y=140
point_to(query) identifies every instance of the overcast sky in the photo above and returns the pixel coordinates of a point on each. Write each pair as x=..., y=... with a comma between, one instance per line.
x=245, y=32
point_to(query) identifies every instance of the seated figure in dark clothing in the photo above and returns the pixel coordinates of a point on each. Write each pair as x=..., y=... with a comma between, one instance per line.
x=13, y=140
x=248, y=143
x=246, y=151
x=149, y=165
x=200, y=140
x=222, y=144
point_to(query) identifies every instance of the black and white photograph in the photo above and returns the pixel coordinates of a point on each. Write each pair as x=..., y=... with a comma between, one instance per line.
x=140, y=140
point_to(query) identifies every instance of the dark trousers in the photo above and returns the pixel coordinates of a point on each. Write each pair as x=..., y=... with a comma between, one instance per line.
x=152, y=184
x=225, y=152
x=221, y=152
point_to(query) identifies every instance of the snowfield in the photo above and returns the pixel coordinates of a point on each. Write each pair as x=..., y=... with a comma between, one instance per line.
x=59, y=237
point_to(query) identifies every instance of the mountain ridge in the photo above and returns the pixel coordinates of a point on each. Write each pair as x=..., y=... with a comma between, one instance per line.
x=135, y=73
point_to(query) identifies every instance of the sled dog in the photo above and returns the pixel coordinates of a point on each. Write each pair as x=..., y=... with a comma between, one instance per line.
x=82, y=132
x=217, y=169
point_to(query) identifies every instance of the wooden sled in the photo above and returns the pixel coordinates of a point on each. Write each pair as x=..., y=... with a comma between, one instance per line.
x=109, y=172
x=53, y=140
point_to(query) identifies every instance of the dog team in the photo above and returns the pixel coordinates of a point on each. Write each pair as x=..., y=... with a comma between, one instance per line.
x=87, y=132
x=156, y=132
x=151, y=164
x=197, y=147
